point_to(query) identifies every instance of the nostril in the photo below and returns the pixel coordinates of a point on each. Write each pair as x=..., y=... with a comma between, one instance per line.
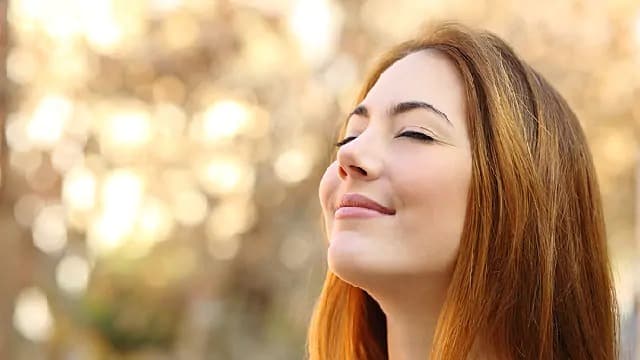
x=360, y=170
x=343, y=173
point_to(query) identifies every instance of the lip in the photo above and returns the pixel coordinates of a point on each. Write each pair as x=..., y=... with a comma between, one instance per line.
x=360, y=206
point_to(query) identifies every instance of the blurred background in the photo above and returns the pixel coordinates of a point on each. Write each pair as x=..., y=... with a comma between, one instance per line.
x=160, y=159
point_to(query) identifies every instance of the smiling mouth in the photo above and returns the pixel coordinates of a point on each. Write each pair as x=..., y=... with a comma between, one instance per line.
x=362, y=201
x=355, y=212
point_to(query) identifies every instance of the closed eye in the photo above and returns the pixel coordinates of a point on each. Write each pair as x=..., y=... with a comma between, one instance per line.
x=417, y=135
x=344, y=141
x=411, y=134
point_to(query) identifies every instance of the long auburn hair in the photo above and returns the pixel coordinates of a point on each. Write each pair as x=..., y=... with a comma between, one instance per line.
x=532, y=277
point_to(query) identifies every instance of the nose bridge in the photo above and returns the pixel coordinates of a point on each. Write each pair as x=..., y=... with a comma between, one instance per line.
x=362, y=156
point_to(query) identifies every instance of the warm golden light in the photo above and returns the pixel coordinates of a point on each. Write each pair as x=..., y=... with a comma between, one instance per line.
x=49, y=229
x=106, y=234
x=101, y=29
x=154, y=223
x=124, y=133
x=79, y=189
x=224, y=248
x=222, y=120
x=60, y=19
x=180, y=30
x=32, y=316
x=231, y=217
x=226, y=175
x=122, y=192
x=189, y=207
x=66, y=154
x=72, y=274
x=22, y=65
x=295, y=250
x=315, y=24
x=16, y=132
x=637, y=28
x=27, y=162
x=26, y=209
x=121, y=198
x=293, y=166
x=165, y=6
x=46, y=126
x=168, y=142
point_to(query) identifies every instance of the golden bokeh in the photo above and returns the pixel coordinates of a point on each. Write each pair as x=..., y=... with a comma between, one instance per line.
x=162, y=157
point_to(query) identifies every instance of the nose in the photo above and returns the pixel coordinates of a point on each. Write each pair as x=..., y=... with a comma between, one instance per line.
x=357, y=160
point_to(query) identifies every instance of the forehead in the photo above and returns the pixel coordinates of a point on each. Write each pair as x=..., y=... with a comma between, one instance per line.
x=425, y=75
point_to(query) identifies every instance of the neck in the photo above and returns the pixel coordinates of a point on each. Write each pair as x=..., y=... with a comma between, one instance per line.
x=412, y=312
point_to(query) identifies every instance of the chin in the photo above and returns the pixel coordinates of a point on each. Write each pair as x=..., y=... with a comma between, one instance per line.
x=357, y=265
x=347, y=261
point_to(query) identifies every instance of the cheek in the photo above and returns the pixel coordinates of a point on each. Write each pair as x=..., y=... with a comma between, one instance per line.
x=328, y=185
x=434, y=194
x=441, y=183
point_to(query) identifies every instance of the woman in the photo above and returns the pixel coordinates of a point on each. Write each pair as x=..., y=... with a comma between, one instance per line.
x=463, y=215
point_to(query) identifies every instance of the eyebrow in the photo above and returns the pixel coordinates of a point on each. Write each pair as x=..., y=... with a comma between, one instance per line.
x=399, y=108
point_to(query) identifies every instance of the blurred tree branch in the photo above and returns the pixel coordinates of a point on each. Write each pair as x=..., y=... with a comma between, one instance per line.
x=3, y=92
x=7, y=292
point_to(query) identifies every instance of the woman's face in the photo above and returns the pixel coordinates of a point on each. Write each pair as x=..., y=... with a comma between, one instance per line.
x=424, y=177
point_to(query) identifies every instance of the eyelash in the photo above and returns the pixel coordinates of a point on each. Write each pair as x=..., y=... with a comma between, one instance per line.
x=411, y=134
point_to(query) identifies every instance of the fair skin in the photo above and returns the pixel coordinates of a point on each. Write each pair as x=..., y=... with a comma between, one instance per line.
x=404, y=260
